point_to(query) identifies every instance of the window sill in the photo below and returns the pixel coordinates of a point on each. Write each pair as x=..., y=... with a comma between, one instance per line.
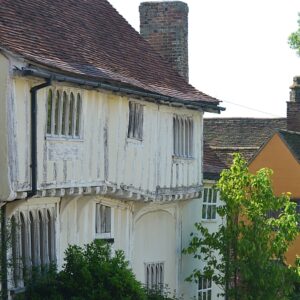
x=63, y=139
x=183, y=158
x=134, y=141
x=107, y=240
x=209, y=220
x=104, y=236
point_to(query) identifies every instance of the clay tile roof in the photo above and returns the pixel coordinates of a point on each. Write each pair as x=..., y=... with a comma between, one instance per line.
x=292, y=140
x=245, y=135
x=212, y=165
x=89, y=38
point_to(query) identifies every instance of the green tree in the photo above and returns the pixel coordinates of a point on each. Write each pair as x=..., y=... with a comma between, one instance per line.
x=246, y=255
x=294, y=38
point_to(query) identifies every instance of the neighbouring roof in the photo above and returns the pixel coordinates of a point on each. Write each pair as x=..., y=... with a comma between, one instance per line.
x=212, y=165
x=292, y=140
x=89, y=38
x=245, y=135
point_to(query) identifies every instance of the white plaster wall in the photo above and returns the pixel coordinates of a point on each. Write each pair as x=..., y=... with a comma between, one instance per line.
x=6, y=190
x=155, y=240
x=191, y=213
x=103, y=152
x=77, y=223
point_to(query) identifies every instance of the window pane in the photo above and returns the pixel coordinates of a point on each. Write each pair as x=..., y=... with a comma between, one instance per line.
x=71, y=114
x=23, y=241
x=56, y=131
x=141, y=120
x=78, y=114
x=209, y=295
x=204, y=283
x=190, y=138
x=208, y=283
x=41, y=245
x=210, y=195
x=200, y=283
x=209, y=213
x=49, y=112
x=215, y=193
x=187, y=138
x=205, y=195
x=97, y=223
x=49, y=233
x=181, y=138
x=130, y=121
x=107, y=219
x=64, y=109
x=174, y=136
x=204, y=211
x=32, y=239
x=214, y=211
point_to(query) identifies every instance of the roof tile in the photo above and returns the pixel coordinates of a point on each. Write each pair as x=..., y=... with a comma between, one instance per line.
x=89, y=38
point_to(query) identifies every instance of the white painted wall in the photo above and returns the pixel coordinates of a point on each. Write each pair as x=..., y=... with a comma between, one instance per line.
x=6, y=157
x=144, y=166
x=146, y=231
x=192, y=213
x=155, y=241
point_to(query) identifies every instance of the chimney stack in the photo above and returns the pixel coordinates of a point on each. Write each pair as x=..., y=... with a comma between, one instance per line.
x=165, y=26
x=293, y=106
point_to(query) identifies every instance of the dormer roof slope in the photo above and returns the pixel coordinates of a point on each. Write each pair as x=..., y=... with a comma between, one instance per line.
x=292, y=140
x=89, y=38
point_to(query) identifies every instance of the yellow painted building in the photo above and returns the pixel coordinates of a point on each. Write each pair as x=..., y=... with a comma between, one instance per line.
x=281, y=153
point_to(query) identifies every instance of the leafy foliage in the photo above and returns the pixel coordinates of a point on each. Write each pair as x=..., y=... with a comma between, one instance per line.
x=246, y=255
x=294, y=38
x=89, y=273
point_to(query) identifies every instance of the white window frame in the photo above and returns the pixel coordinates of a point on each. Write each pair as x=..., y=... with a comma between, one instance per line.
x=98, y=234
x=204, y=291
x=64, y=121
x=183, y=136
x=210, y=198
x=135, y=120
x=154, y=275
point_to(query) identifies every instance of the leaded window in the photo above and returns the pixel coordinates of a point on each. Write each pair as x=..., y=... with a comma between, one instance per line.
x=64, y=114
x=183, y=136
x=154, y=275
x=136, y=119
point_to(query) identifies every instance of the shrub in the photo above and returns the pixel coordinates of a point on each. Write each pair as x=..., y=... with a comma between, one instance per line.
x=89, y=273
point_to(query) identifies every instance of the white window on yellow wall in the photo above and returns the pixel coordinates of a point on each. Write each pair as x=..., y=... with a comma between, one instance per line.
x=64, y=114
x=204, y=288
x=209, y=204
x=104, y=221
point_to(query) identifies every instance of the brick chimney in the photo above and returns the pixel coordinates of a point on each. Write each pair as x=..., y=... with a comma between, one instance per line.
x=165, y=26
x=293, y=106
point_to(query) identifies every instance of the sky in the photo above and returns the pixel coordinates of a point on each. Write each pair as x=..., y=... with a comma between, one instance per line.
x=238, y=52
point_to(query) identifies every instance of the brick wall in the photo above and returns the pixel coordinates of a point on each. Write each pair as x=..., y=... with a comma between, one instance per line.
x=165, y=26
x=293, y=107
